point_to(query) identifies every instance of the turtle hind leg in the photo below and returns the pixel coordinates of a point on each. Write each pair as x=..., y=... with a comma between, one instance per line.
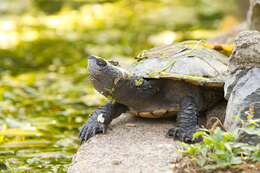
x=187, y=121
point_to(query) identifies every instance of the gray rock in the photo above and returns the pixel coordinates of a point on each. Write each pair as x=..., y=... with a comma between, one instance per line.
x=247, y=51
x=245, y=93
x=137, y=148
x=242, y=87
x=231, y=82
x=253, y=16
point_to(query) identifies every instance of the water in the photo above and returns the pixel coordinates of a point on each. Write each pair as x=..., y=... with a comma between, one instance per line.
x=41, y=117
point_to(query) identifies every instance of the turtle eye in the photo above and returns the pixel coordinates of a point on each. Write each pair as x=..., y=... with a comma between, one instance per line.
x=101, y=62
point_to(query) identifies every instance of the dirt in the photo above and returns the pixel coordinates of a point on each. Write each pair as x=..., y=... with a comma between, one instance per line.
x=185, y=165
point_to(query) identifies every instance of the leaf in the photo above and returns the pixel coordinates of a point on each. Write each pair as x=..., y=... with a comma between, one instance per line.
x=256, y=154
x=236, y=160
x=26, y=144
x=218, y=135
x=228, y=147
x=3, y=166
x=19, y=132
x=192, y=150
x=228, y=137
x=208, y=140
x=198, y=134
x=201, y=161
x=251, y=131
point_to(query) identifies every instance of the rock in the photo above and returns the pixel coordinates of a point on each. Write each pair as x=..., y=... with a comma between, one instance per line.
x=242, y=87
x=247, y=51
x=231, y=81
x=130, y=125
x=245, y=93
x=116, y=162
x=133, y=145
x=143, y=148
x=253, y=16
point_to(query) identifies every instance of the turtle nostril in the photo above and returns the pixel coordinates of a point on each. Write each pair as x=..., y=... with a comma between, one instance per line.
x=91, y=57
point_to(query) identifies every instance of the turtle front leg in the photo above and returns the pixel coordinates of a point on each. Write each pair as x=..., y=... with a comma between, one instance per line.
x=187, y=121
x=100, y=119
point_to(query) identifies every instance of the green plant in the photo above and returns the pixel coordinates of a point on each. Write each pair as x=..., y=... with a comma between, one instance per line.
x=221, y=149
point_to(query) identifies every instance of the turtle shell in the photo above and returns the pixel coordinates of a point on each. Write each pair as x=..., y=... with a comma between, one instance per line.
x=192, y=62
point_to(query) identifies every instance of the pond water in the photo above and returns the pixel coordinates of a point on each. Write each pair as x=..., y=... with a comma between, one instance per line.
x=42, y=119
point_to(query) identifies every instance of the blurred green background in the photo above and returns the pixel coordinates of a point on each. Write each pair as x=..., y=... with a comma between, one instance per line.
x=45, y=95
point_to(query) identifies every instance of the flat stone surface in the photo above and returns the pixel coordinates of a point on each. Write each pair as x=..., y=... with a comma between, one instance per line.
x=134, y=145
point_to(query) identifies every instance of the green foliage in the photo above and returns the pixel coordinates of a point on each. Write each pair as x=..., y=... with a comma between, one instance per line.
x=49, y=6
x=41, y=113
x=220, y=149
x=40, y=54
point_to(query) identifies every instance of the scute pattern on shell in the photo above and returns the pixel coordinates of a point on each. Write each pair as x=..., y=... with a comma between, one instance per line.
x=191, y=62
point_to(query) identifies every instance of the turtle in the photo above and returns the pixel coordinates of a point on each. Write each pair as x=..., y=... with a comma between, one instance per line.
x=184, y=79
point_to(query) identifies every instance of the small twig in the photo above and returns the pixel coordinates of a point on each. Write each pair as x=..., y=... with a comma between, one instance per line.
x=216, y=122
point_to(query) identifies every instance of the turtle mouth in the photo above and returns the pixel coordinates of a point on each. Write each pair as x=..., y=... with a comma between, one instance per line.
x=93, y=78
x=102, y=84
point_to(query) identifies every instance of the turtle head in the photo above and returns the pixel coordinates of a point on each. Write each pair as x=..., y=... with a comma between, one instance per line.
x=104, y=74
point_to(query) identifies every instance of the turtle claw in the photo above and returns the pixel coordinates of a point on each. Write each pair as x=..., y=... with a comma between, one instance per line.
x=182, y=135
x=90, y=129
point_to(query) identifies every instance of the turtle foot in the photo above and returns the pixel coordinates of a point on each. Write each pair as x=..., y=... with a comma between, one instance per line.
x=182, y=135
x=90, y=129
